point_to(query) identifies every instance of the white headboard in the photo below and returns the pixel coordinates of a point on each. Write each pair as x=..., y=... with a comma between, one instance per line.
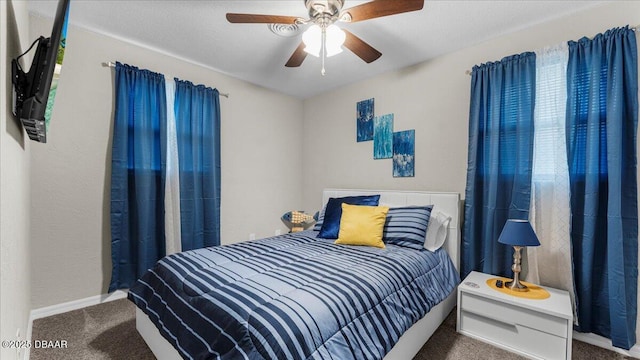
x=446, y=202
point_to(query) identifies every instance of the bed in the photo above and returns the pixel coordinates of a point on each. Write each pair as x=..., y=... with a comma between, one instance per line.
x=299, y=314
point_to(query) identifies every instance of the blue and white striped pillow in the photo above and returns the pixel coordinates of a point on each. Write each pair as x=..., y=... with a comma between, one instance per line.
x=318, y=224
x=407, y=226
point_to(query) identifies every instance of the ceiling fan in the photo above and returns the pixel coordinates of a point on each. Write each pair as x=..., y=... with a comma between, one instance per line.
x=323, y=14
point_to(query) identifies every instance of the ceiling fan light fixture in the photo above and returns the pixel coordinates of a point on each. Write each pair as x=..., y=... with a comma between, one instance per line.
x=312, y=39
x=335, y=40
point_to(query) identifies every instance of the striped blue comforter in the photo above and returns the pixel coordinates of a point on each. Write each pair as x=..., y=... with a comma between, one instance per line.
x=293, y=296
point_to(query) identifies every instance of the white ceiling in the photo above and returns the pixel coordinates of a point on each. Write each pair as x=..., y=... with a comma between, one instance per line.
x=197, y=31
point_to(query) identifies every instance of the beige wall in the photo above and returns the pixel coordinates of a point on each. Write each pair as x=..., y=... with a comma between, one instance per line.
x=261, y=177
x=15, y=257
x=432, y=98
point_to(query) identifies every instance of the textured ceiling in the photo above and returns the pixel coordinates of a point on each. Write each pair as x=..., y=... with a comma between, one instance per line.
x=197, y=31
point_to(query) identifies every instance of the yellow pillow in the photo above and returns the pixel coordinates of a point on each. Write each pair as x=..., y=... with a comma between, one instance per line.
x=362, y=225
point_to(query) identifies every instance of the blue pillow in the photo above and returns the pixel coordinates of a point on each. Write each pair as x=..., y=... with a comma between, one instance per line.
x=333, y=212
x=407, y=226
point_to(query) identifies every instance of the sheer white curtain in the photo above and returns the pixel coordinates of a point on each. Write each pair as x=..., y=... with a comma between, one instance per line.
x=550, y=215
x=172, y=185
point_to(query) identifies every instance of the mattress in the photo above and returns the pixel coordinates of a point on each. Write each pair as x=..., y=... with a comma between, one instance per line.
x=294, y=296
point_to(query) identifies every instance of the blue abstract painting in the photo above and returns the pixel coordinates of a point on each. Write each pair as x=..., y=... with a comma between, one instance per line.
x=365, y=120
x=404, y=149
x=383, y=137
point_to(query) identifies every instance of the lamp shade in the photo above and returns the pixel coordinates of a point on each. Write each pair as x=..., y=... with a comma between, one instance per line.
x=312, y=39
x=518, y=233
x=335, y=39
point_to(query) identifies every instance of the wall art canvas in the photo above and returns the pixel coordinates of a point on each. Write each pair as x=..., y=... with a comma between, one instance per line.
x=404, y=153
x=383, y=137
x=364, y=122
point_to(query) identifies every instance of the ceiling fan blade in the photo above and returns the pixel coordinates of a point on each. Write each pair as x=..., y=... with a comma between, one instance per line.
x=365, y=51
x=260, y=19
x=380, y=8
x=297, y=57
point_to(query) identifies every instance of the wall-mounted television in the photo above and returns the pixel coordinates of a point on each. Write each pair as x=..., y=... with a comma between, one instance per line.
x=34, y=92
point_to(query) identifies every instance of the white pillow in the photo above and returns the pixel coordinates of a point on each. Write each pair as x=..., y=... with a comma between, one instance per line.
x=436, y=230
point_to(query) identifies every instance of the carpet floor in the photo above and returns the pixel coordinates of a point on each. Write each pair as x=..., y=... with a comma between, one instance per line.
x=108, y=331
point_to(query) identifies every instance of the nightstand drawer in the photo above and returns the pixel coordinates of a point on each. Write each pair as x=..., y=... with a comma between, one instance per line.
x=513, y=316
x=534, y=343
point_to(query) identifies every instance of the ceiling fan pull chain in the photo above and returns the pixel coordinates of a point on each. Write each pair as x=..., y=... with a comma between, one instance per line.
x=324, y=47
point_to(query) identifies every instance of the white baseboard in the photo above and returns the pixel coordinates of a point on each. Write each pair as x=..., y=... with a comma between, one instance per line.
x=66, y=307
x=77, y=304
x=603, y=342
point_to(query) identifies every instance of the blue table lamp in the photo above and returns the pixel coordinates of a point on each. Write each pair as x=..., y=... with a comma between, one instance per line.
x=517, y=233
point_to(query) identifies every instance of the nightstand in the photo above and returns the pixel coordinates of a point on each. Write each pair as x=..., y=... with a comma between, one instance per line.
x=538, y=329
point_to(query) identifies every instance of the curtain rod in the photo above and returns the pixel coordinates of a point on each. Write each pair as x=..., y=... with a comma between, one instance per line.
x=111, y=64
x=635, y=28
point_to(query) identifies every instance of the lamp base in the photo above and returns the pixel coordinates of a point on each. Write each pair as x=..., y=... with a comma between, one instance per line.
x=516, y=286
